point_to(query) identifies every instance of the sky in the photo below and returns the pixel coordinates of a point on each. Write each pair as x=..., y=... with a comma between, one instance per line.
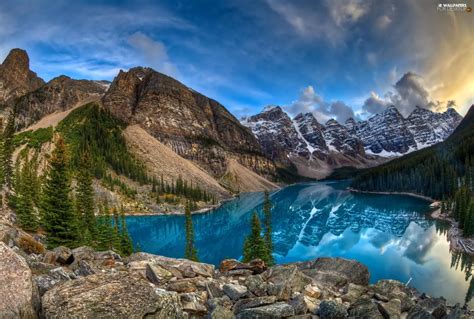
x=334, y=58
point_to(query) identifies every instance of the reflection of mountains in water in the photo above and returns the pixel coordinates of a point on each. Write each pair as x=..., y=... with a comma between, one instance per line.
x=319, y=209
x=301, y=213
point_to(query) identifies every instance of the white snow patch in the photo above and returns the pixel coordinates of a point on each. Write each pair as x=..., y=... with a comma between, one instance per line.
x=310, y=148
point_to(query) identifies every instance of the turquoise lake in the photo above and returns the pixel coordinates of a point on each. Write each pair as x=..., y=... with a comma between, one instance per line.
x=390, y=234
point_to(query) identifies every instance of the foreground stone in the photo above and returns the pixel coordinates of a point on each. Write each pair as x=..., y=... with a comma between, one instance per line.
x=115, y=295
x=17, y=293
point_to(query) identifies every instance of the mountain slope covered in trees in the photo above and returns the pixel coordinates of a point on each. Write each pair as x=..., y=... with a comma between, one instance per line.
x=437, y=171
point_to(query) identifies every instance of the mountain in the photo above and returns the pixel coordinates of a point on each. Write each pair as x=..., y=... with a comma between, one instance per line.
x=16, y=78
x=316, y=149
x=192, y=125
x=435, y=171
x=390, y=134
x=60, y=94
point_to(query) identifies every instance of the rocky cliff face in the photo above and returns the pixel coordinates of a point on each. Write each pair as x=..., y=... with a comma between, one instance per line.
x=16, y=79
x=316, y=149
x=194, y=126
x=59, y=94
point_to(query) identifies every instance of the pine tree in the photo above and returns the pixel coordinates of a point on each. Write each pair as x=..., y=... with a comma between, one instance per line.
x=255, y=246
x=7, y=150
x=267, y=222
x=126, y=242
x=191, y=251
x=58, y=216
x=24, y=188
x=85, y=196
x=105, y=230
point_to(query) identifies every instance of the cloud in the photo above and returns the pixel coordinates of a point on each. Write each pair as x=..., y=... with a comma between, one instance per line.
x=382, y=22
x=310, y=101
x=374, y=104
x=345, y=12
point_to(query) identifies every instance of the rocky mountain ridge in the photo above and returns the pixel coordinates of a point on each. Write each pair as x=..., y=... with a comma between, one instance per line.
x=193, y=125
x=309, y=144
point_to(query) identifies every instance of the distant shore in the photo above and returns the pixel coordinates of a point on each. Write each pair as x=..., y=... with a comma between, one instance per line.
x=429, y=199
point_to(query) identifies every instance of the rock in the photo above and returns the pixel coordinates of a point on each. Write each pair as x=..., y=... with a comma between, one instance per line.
x=183, y=285
x=157, y=275
x=235, y=291
x=253, y=303
x=17, y=293
x=49, y=258
x=312, y=291
x=393, y=289
x=329, y=309
x=299, y=304
x=276, y=310
x=222, y=302
x=336, y=271
x=430, y=304
x=455, y=313
x=220, y=312
x=193, y=303
x=45, y=283
x=110, y=295
x=61, y=274
x=417, y=312
x=364, y=308
x=440, y=312
x=256, y=285
x=63, y=255
x=312, y=304
x=285, y=280
x=380, y=297
x=229, y=264
x=214, y=290
x=106, y=258
x=233, y=267
x=391, y=309
x=185, y=267
x=353, y=292
x=84, y=268
x=40, y=268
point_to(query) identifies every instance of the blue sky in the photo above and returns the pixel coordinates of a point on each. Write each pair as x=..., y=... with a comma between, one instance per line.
x=333, y=58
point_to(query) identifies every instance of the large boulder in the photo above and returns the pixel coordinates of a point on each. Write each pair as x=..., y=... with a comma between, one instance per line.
x=336, y=271
x=273, y=311
x=284, y=280
x=18, y=298
x=110, y=295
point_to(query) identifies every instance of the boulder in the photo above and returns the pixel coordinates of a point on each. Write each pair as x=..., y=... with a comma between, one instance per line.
x=231, y=266
x=63, y=255
x=336, y=271
x=312, y=304
x=185, y=267
x=330, y=309
x=183, y=285
x=364, y=308
x=234, y=291
x=299, y=304
x=221, y=301
x=157, y=275
x=285, y=280
x=253, y=303
x=256, y=285
x=312, y=291
x=353, y=292
x=18, y=297
x=393, y=289
x=193, y=303
x=110, y=295
x=220, y=312
x=418, y=312
x=214, y=289
x=391, y=309
x=276, y=310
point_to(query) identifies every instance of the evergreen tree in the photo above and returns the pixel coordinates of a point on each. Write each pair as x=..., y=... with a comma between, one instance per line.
x=267, y=222
x=58, y=216
x=7, y=150
x=105, y=230
x=191, y=251
x=85, y=196
x=126, y=242
x=255, y=246
x=24, y=188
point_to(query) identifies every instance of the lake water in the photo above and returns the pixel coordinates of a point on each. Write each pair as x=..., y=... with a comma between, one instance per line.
x=390, y=234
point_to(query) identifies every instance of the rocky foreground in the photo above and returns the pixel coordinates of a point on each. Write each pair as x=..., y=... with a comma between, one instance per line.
x=83, y=283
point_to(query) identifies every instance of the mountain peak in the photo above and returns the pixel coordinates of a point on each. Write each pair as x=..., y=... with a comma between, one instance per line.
x=17, y=59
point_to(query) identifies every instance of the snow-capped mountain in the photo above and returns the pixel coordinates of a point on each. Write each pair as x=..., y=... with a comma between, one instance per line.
x=316, y=149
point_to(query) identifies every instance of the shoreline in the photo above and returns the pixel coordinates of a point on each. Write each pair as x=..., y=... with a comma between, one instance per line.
x=426, y=198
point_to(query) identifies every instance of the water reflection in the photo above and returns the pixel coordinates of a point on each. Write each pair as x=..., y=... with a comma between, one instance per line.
x=390, y=234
